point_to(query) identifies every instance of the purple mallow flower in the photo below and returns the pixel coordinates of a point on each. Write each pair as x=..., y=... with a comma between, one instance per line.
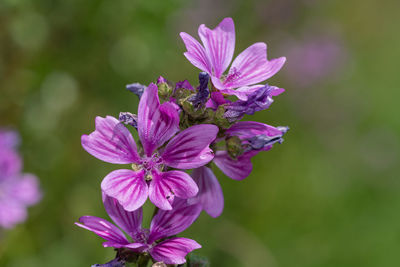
x=157, y=241
x=258, y=100
x=157, y=123
x=17, y=190
x=214, y=56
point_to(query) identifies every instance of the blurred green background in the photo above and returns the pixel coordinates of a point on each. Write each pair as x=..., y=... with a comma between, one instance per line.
x=328, y=196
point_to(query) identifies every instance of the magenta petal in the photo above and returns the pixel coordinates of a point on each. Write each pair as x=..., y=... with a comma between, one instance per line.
x=249, y=129
x=251, y=67
x=166, y=185
x=210, y=194
x=235, y=169
x=103, y=228
x=196, y=53
x=129, y=221
x=172, y=222
x=174, y=250
x=138, y=247
x=128, y=187
x=156, y=123
x=190, y=148
x=219, y=44
x=111, y=142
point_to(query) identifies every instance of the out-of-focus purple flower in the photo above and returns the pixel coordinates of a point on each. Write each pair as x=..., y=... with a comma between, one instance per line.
x=136, y=88
x=17, y=190
x=315, y=58
x=260, y=99
x=250, y=67
x=16, y=194
x=157, y=123
x=128, y=118
x=202, y=91
x=8, y=139
x=157, y=241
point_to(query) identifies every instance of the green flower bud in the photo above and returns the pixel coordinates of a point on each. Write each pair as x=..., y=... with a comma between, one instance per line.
x=234, y=146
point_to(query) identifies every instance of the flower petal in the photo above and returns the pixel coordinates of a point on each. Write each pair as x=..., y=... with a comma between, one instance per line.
x=156, y=123
x=190, y=148
x=138, y=247
x=129, y=221
x=111, y=142
x=166, y=185
x=172, y=222
x=210, y=194
x=103, y=228
x=219, y=44
x=236, y=169
x=249, y=129
x=128, y=187
x=251, y=67
x=174, y=250
x=196, y=53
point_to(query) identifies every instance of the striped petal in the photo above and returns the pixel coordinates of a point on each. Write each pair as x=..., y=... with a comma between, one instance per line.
x=172, y=222
x=190, y=148
x=156, y=123
x=196, y=53
x=129, y=221
x=104, y=229
x=237, y=169
x=174, y=250
x=127, y=186
x=166, y=185
x=210, y=194
x=219, y=44
x=251, y=67
x=111, y=142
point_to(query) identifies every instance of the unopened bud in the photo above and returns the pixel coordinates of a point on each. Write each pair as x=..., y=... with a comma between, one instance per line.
x=234, y=146
x=159, y=264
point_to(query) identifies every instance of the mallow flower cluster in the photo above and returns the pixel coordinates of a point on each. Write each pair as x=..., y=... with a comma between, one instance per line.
x=183, y=132
x=18, y=190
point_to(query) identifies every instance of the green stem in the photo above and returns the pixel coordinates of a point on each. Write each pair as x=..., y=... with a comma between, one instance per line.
x=143, y=260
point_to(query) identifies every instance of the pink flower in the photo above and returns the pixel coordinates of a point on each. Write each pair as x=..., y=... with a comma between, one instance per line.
x=157, y=123
x=17, y=190
x=164, y=225
x=215, y=55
